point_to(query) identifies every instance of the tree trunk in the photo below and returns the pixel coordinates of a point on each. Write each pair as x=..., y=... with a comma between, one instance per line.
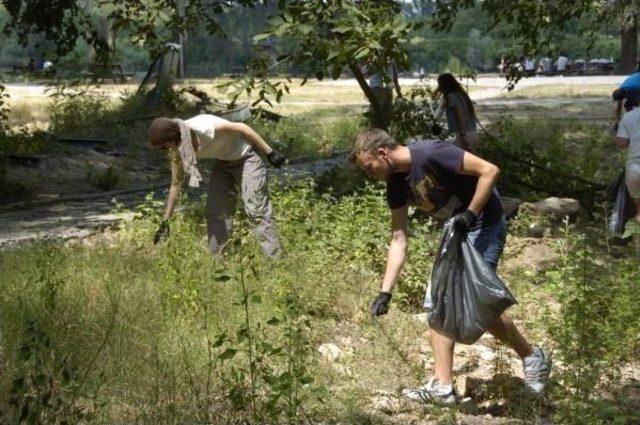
x=629, y=48
x=381, y=103
x=182, y=39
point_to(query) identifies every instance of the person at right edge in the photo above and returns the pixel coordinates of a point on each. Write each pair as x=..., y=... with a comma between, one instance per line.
x=628, y=137
x=461, y=116
x=628, y=90
x=444, y=181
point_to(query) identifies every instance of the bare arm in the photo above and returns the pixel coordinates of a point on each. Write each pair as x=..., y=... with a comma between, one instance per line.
x=487, y=174
x=247, y=132
x=618, y=111
x=621, y=142
x=177, y=177
x=397, y=248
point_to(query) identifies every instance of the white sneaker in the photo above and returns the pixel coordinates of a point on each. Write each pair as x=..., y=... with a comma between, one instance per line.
x=432, y=393
x=536, y=370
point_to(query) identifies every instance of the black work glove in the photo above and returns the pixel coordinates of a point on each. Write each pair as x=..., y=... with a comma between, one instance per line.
x=162, y=233
x=380, y=305
x=615, y=128
x=276, y=158
x=464, y=221
x=436, y=129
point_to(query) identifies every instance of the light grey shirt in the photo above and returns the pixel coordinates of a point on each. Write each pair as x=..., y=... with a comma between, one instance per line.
x=456, y=100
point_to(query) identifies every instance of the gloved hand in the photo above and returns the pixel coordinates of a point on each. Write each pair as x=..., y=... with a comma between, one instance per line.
x=380, y=305
x=162, y=233
x=464, y=221
x=615, y=128
x=275, y=158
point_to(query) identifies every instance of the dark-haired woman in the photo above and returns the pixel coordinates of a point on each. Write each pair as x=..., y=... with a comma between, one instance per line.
x=461, y=116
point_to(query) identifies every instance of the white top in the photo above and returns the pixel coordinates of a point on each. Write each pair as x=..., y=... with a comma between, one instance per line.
x=629, y=128
x=529, y=65
x=545, y=63
x=212, y=145
x=561, y=63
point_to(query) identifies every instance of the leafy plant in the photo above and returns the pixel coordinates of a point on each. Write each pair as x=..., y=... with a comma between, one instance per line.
x=74, y=108
x=4, y=111
x=104, y=180
x=534, y=158
x=595, y=331
x=413, y=114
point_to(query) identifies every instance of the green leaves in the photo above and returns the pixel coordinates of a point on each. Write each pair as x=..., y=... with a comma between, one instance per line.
x=228, y=354
x=323, y=38
x=260, y=37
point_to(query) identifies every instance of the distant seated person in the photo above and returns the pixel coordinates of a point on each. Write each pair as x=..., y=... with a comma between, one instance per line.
x=579, y=66
x=629, y=89
x=545, y=65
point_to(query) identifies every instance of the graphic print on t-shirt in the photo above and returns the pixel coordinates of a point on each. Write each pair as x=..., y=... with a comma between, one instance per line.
x=435, y=185
x=428, y=194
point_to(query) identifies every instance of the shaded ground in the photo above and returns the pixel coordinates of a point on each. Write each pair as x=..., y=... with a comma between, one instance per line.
x=78, y=217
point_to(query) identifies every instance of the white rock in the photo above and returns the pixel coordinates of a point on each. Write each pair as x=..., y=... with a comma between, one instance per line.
x=559, y=207
x=387, y=403
x=485, y=353
x=421, y=318
x=330, y=352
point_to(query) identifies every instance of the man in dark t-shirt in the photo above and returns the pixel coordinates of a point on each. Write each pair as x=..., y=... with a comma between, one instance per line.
x=444, y=181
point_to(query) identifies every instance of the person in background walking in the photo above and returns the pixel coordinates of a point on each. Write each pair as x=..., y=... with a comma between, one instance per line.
x=461, y=116
x=380, y=83
x=237, y=167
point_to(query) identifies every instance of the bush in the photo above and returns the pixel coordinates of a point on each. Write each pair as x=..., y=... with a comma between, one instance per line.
x=552, y=159
x=595, y=331
x=309, y=134
x=72, y=110
x=104, y=180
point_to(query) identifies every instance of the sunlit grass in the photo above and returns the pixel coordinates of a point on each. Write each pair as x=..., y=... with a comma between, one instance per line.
x=560, y=91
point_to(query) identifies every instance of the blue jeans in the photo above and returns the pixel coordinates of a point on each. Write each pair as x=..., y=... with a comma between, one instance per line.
x=489, y=241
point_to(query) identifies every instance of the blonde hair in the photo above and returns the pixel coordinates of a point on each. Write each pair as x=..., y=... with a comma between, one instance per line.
x=371, y=140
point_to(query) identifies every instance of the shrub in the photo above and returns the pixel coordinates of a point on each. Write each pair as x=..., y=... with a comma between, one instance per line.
x=595, y=331
x=554, y=159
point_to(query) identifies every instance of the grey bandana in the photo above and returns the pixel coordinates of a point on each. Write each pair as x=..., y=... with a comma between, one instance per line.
x=187, y=154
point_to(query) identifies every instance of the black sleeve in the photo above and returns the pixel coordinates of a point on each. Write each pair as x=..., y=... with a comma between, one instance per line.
x=397, y=195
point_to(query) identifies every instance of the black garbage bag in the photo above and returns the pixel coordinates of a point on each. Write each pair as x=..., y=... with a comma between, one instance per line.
x=623, y=207
x=465, y=295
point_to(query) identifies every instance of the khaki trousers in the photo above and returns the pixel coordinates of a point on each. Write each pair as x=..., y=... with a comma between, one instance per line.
x=249, y=177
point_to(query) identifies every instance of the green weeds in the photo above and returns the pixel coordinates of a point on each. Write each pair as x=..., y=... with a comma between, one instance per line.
x=596, y=331
x=555, y=159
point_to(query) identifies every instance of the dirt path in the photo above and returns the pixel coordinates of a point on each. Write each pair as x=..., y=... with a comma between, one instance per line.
x=81, y=218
